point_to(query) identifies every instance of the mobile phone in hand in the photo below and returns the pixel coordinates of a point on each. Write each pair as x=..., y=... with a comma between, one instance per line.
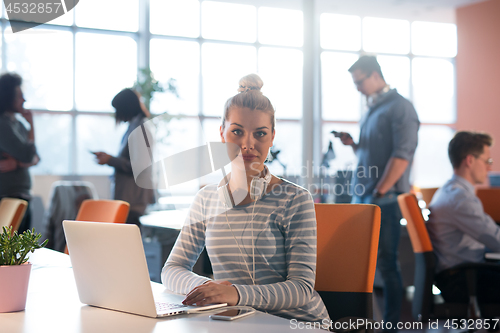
x=336, y=134
x=232, y=314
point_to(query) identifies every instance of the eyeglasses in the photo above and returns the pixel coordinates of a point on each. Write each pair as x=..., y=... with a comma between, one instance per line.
x=358, y=83
x=488, y=161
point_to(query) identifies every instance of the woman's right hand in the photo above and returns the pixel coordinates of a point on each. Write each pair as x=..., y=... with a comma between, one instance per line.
x=213, y=292
x=28, y=115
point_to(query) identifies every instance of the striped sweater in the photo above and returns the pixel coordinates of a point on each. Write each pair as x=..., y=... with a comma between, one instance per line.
x=284, y=227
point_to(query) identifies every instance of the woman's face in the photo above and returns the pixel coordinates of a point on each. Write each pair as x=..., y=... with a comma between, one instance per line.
x=17, y=105
x=252, y=131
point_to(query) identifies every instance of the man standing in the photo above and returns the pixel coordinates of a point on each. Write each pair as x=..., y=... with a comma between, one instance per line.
x=387, y=142
x=459, y=228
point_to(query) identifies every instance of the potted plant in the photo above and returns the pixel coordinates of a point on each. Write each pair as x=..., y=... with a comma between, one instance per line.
x=14, y=268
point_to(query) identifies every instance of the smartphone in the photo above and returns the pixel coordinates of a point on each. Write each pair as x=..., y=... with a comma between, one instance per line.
x=336, y=134
x=232, y=314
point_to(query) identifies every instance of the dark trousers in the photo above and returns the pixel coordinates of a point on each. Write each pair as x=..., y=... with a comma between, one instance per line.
x=453, y=286
x=387, y=257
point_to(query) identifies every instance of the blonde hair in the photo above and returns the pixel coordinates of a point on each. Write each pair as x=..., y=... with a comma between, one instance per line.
x=250, y=96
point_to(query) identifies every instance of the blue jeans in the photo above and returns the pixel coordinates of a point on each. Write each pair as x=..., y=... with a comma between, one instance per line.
x=387, y=258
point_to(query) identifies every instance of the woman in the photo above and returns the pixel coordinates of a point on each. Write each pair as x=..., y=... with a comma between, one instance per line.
x=17, y=144
x=128, y=108
x=262, y=245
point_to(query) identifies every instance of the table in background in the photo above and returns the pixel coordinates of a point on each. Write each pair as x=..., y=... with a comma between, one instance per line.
x=53, y=306
x=159, y=233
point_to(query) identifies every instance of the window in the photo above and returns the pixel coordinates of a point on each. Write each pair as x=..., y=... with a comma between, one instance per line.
x=74, y=65
x=105, y=64
x=184, y=66
x=96, y=14
x=281, y=26
x=176, y=18
x=48, y=76
x=226, y=21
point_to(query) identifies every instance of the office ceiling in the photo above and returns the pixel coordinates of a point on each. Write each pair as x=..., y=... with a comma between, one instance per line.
x=424, y=3
x=429, y=10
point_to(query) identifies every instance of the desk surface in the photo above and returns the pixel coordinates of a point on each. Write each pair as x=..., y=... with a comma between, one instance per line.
x=173, y=219
x=53, y=306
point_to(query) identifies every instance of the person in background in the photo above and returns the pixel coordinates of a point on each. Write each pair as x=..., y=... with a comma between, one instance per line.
x=459, y=229
x=17, y=144
x=262, y=246
x=128, y=108
x=387, y=142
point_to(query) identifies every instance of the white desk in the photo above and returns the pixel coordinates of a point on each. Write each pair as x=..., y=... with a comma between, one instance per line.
x=53, y=306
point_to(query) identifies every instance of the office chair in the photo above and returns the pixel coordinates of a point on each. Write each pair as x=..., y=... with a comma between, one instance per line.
x=12, y=211
x=427, y=194
x=111, y=211
x=66, y=197
x=347, y=257
x=423, y=305
x=490, y=198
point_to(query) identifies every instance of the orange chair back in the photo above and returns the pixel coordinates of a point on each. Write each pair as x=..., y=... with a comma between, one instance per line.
x=490, y=197
x=427, y=194
x=347, y=247
x=110, y=211
x=415, y=223
x=12, y=211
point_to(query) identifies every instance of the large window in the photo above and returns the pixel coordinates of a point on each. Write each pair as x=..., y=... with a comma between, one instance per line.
x=73, y=66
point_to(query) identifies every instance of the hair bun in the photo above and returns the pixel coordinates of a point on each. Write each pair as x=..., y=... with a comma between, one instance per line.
x=250, y=82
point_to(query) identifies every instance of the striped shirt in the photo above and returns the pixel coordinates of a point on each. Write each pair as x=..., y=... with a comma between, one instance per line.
x=284, y=228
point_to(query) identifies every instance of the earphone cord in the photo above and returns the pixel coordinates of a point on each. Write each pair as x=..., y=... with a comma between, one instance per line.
x=239, y=248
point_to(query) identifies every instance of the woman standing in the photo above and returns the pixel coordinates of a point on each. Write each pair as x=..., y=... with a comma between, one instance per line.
x=262, y=245
x=17, y=144
x=128, y=108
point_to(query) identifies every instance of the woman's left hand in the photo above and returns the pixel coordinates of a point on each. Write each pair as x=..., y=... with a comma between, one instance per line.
x=213, y=292
x=102, y=158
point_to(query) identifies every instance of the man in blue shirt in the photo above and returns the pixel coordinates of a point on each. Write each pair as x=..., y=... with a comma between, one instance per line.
x=459, y=228
x=387, y=142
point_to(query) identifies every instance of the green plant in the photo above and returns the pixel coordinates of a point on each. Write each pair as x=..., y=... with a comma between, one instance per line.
x=14, y=247
x=147, y=85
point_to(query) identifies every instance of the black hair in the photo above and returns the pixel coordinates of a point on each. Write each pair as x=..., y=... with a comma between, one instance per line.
x=367, y=64
x=467, y=143
x=127, y=105
x=8, y=84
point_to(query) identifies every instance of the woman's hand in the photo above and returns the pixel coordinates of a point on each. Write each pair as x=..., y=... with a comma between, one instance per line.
x=102, y=158
x=8, y=164
x=213, y=292
x=28, y=115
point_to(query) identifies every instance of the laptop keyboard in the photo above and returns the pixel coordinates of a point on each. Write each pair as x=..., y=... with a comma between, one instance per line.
x=162, y=307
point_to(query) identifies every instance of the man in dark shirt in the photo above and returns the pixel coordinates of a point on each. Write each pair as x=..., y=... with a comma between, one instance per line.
x=387, y=142
x=17, y=144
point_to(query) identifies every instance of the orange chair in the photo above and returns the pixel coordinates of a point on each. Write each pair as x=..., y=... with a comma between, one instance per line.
x=427, y=194
x=490, y=197
x=423, y=306
x=347, y=257
x=111, y=211
x=12, y=211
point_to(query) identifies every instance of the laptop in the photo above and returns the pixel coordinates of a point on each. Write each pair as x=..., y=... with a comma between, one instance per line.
x=111, y=271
